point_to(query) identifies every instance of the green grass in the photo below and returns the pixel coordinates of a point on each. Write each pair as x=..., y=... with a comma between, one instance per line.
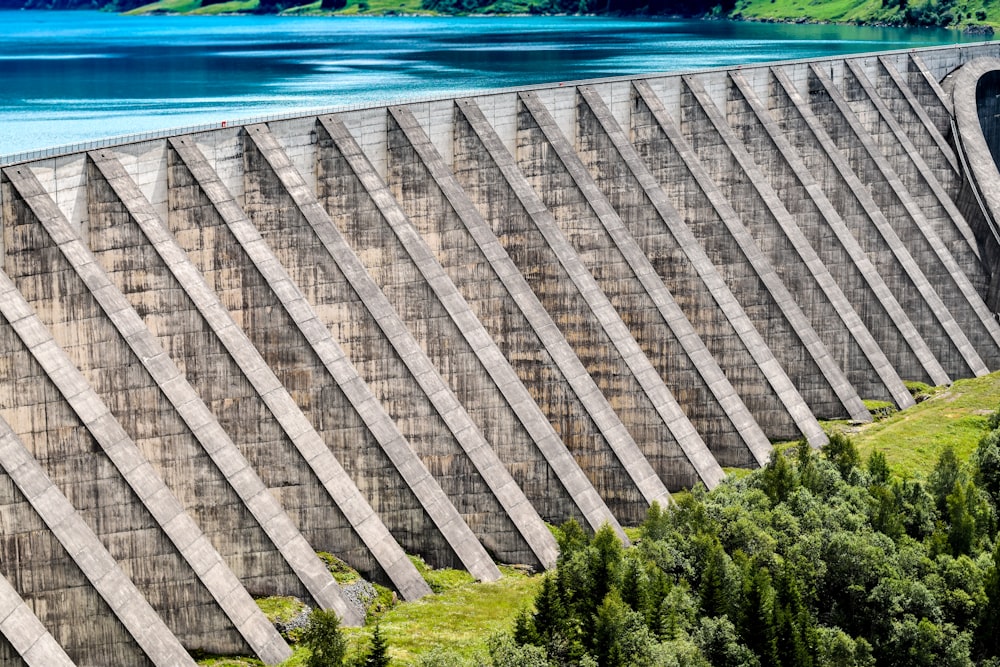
x=364, y=8
x=353, y=8
x=460, y=618
x=178, y=6
x=194, y=7
x=280, y=607
x=859, y=11
x=341, y=571
x=913, y=439
x=222, y=661
x=834, y=11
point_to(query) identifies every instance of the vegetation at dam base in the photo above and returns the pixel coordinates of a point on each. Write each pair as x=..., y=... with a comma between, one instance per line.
x=882, y=550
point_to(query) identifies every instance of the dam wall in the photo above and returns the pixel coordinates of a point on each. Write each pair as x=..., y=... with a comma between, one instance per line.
x=436, y=328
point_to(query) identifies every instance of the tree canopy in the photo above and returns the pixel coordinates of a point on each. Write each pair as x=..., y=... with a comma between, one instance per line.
x=813, y=561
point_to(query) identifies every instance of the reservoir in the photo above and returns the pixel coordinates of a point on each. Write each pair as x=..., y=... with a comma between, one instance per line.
x=70, y=77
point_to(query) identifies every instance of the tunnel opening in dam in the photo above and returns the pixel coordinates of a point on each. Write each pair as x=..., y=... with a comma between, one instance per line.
x=988, y=106
x=436, y=327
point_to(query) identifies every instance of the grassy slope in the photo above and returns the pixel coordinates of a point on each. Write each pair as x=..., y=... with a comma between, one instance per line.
x=833, y=11
x=353, y=8
x=855, y=11
x=913, y=440
x=194, y=7
x=461, y=618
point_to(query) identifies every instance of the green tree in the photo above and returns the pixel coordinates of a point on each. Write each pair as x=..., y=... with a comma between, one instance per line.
x=878, y=467
x=717, y=639
x=962, y=522
x=677, y=612
x=324, y=639
x=620, y=634
x=943, y=478
x=716, y=594
x=886, y=516
x=378, y=653
x=505, y=652
x=571, y=538
x=605, y=560
x=835, y=648
x=657, y=523
x=550, y=614
x=635, y=586
x=988, y=629
x=778, y=479
x=987, y=462
x=840, y=451
x=758, y=615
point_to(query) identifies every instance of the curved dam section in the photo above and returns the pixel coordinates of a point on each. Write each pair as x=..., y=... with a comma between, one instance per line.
x=434, y=328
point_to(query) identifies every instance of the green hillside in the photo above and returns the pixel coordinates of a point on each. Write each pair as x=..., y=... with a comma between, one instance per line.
x=944, y=13
x=940, y=13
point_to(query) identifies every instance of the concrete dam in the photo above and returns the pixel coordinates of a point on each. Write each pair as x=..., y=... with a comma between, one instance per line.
x=435, y=327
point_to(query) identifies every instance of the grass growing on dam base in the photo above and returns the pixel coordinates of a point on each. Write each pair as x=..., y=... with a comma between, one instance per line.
x=912, y=440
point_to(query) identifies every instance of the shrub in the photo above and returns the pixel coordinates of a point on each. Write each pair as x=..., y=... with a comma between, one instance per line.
x=324, y=640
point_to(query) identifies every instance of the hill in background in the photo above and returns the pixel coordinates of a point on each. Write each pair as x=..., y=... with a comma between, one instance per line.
x=917, y=13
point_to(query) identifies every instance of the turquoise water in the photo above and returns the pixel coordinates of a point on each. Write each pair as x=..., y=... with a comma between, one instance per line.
x=68, y=77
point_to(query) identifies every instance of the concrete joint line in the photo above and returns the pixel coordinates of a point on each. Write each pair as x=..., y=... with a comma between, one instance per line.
x=148, y=486
x=924, y=171
x=179, y=393
x=338, y=484
x=846, y=239
x=916, y=215
x=465, y=430
x=673, y=317
x=624, y=447
x=752, y=340
x=101, y=570
x=427, y=491
x=855, y=328
x=832, y=374
x=158, y=500
x=875, y=215
x=918, y=110
x=921, y=67
x=642, y=369
x=26, y=634
x=562, y=464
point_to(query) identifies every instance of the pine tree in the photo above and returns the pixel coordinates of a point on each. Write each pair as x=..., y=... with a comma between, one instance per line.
x=378, y=654
x=324, y=639
x=943, y=479
x=843, y=454
x=715, y=598
x=878, y=467
x=989, y=621
x=550, y=614
x=778, y=478
x=758, y=619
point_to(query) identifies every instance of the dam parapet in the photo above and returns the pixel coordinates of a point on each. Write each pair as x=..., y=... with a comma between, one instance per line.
x=434, y=327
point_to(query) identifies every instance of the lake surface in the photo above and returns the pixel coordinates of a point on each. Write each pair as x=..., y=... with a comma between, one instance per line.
x=68, y=77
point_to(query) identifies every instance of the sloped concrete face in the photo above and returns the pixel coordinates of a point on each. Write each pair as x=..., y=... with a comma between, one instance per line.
x=432, y=329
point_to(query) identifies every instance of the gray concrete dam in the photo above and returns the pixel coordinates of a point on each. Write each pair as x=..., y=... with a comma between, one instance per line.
x=433, y=328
